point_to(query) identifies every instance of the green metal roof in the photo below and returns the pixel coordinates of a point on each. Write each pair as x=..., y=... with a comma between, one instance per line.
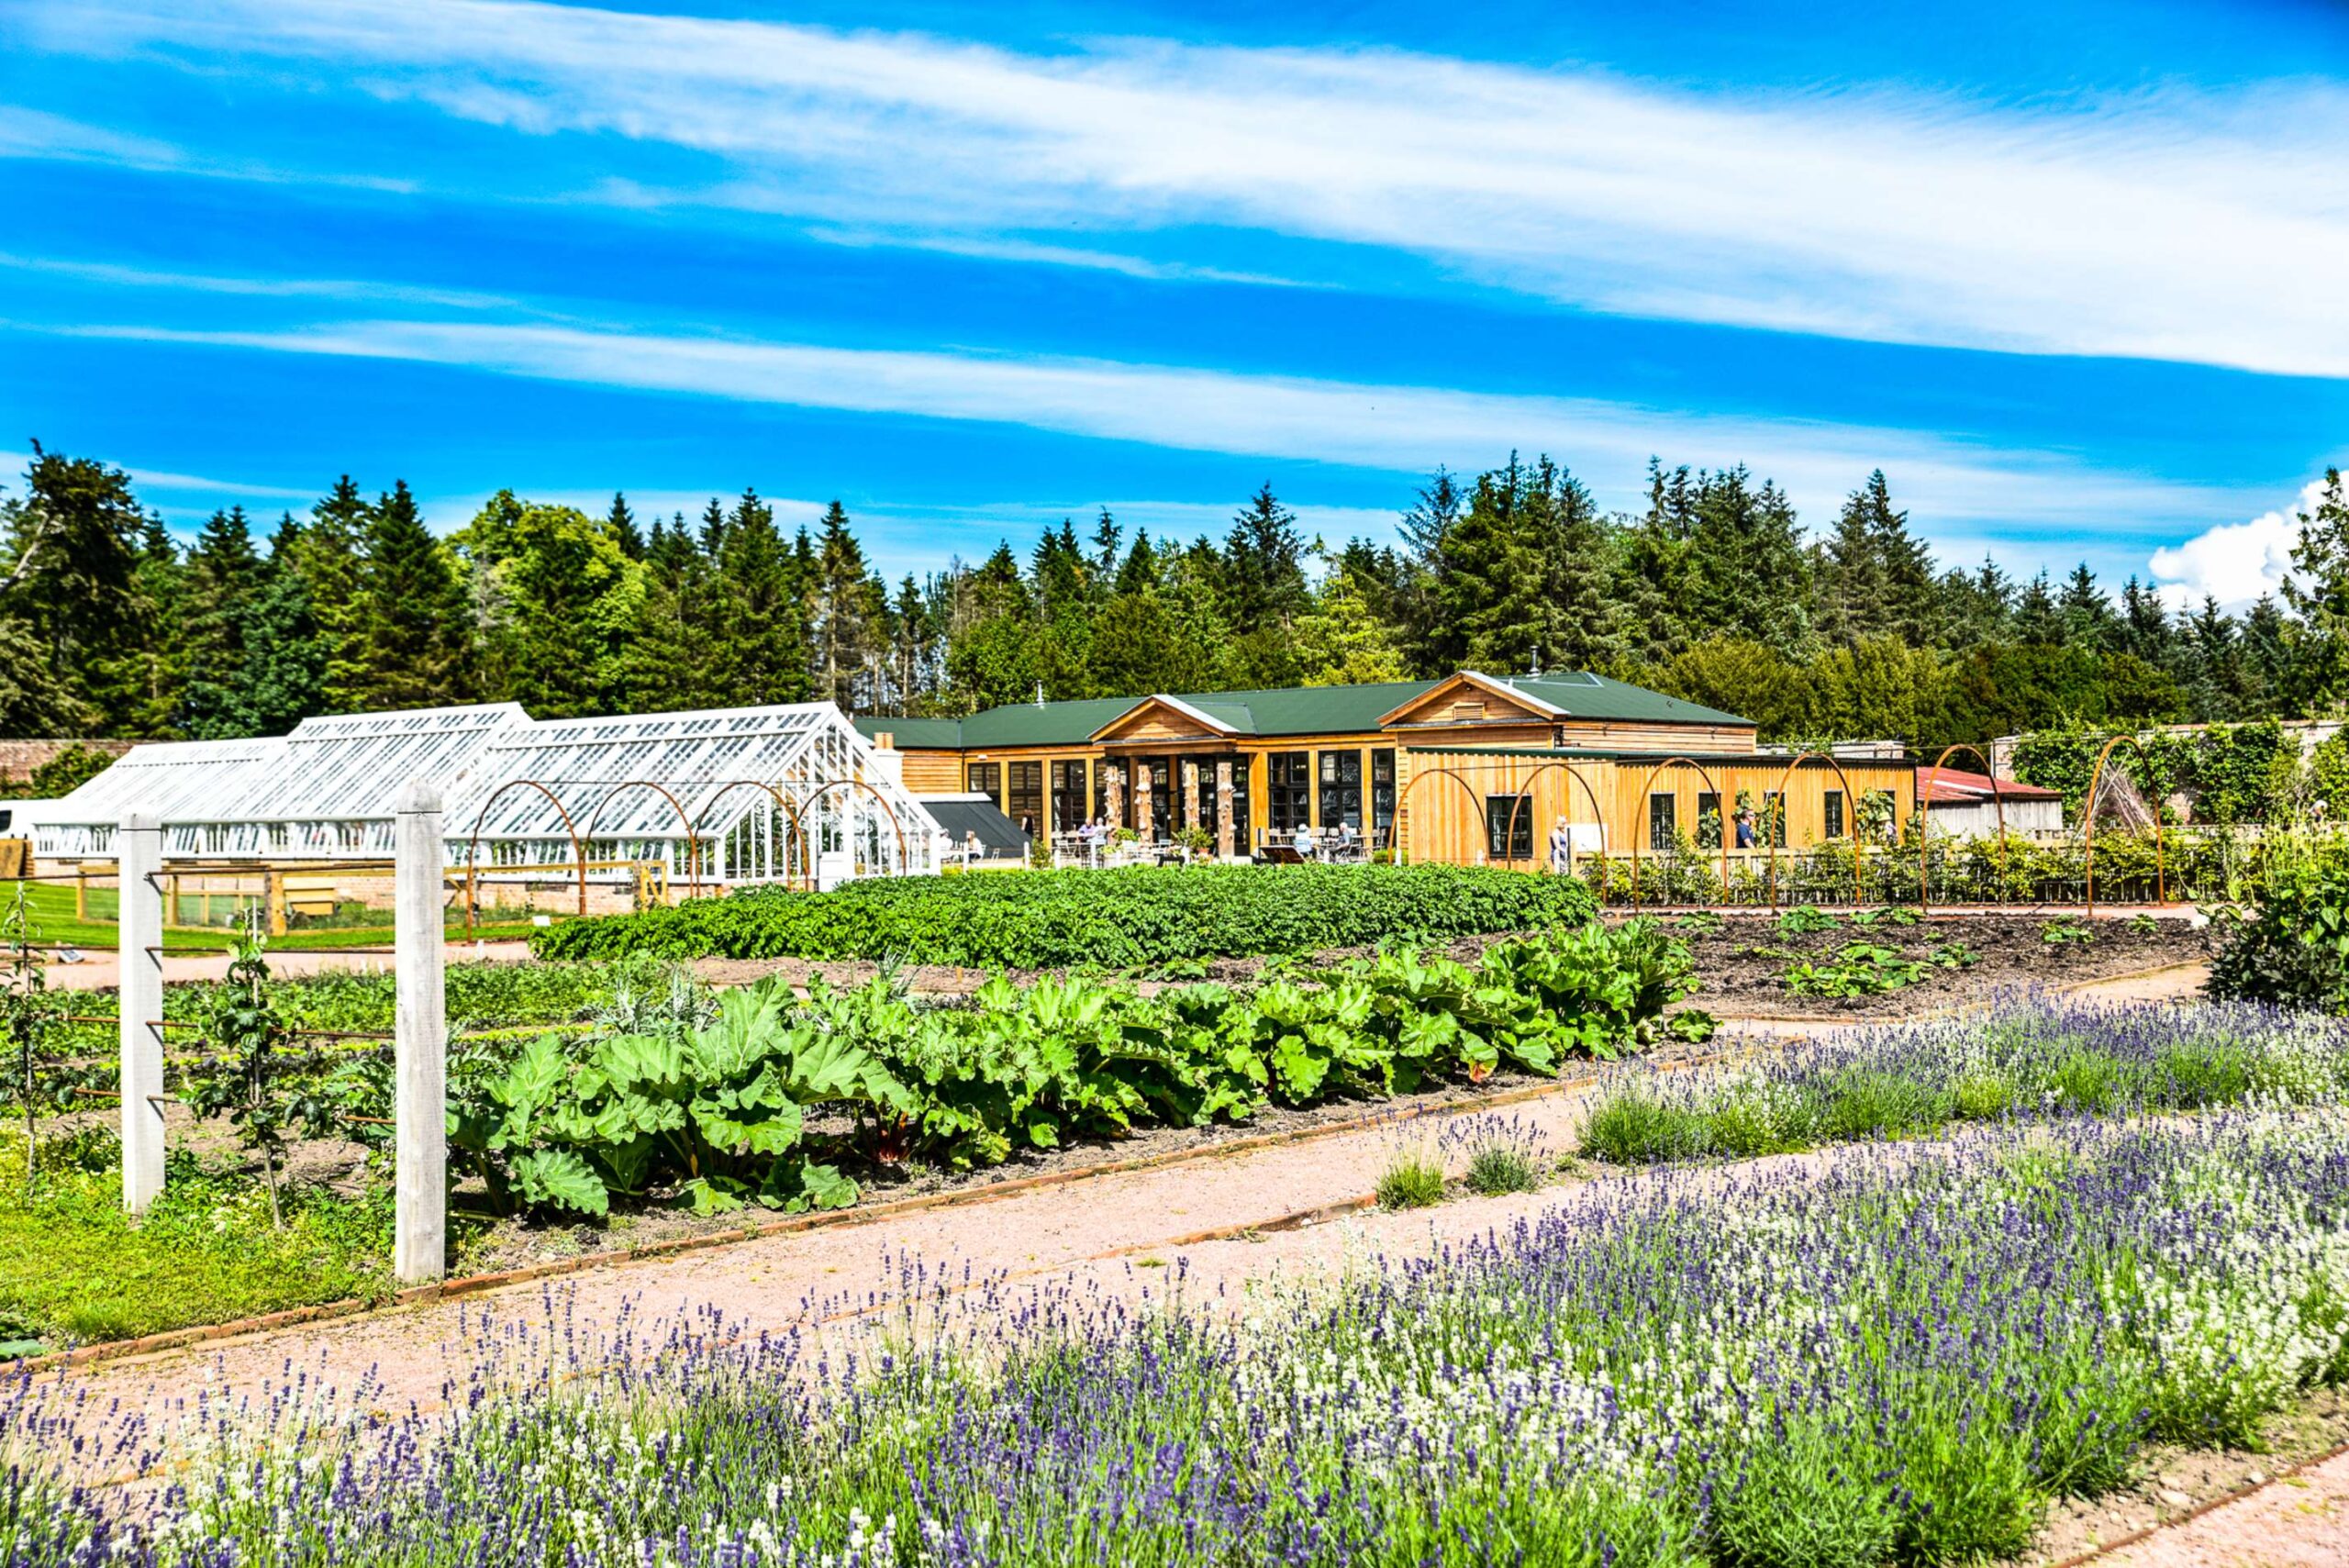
x=1285, y=710
x=1585, y=696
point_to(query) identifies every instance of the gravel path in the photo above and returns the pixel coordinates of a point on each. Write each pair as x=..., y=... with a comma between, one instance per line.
x=2301, y=1521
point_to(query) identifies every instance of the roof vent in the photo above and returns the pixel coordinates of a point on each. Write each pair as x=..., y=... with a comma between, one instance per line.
x=1463, y=711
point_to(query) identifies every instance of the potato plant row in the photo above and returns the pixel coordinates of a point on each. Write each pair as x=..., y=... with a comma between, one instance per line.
x=1140, y=916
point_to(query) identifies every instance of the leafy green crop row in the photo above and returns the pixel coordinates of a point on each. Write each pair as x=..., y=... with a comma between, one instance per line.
x=720, y=1114
x=1145, y=915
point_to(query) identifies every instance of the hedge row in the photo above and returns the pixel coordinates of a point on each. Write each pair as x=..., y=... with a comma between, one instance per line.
x=1112, y=919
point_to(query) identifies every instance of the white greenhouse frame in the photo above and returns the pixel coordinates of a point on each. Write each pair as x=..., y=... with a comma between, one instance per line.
x=718, y=797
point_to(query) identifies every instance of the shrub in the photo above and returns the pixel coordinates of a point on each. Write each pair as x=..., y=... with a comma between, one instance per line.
x=1144, y=915
x=2294, y=951
x=1411, y=1180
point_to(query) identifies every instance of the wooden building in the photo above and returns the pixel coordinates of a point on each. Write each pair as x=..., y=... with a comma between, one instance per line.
x=1469, y=769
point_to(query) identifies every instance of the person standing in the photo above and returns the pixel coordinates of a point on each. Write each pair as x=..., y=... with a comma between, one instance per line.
x=1561, y=848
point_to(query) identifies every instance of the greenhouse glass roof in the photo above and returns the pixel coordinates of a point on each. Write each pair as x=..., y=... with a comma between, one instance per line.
x=327, y=789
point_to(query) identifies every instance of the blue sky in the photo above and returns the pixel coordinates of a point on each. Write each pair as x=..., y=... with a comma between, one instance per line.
x=2071, y=274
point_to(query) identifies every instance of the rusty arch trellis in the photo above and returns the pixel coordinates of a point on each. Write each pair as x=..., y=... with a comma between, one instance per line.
x=692, y=840
x=473, y=845
x=1525, y=797
x=791, y=814
x=2087, y=824
x=1646, y=784
x=1403, y=801
x=1924, y=821
x=904, y=855
x=1858, y=885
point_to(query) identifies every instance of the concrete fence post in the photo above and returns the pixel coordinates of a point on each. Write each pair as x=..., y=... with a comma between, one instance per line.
x=139, y=933
x=420, y=1250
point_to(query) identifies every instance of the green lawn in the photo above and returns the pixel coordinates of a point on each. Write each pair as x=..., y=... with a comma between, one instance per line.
x=73, y=1268
x=52, y=906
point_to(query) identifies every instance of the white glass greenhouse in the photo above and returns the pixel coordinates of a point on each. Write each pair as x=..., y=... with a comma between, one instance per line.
x=727, y=796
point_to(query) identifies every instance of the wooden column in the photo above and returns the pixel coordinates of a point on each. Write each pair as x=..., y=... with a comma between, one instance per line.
x=420, y=1178
x=1141, y=799
x=1113, y=794
x=138, y=864
x=1224, y=828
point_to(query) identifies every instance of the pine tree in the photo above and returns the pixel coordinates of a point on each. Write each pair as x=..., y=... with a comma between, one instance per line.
x=332, y=570
x=2318, y=592
x=2088, y=621
x=847, y=606
x=622, y=525
x=224, y=574
x=281, y=679
x=761, y=646
x=412, y=630
x=74, y=554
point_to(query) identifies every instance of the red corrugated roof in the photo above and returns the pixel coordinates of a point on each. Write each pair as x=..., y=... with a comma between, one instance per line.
x=1949, y=786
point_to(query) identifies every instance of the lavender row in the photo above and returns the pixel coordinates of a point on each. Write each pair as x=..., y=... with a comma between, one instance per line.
x=2030, y=1058
x=1895, y=1356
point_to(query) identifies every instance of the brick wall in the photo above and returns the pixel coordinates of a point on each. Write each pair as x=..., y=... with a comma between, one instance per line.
x=19, y=758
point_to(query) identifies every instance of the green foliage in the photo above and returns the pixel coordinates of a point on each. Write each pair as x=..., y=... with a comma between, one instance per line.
x=1497, y=1170
x=248, y=1076
x=2066, y=930
x=2294, y=951
x=74, y=1267
x=718, y=1113
x=2234, y=773
x=1860, y=968
x=1144, y=915
x=24, y=1022
x=1807, y=918
x=1411, y=1180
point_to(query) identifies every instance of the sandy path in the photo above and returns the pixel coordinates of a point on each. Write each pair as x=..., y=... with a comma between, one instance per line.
x=2301, y=1521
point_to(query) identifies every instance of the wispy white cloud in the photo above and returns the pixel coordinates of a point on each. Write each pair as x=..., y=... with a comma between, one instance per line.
x=32, y=133
x=1404, y=428
x=2169, y=226
x=2234, y=562
x=149, y=479
x=258, y=286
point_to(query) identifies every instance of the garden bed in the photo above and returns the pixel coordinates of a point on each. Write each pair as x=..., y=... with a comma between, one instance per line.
x=1744, y=962
x=1741, y=960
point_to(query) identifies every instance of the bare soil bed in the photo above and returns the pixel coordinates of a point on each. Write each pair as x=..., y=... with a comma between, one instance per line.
x=1741, y=961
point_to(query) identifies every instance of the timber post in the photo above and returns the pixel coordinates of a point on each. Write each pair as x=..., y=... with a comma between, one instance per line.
x=139, y=935
x=419, y=1247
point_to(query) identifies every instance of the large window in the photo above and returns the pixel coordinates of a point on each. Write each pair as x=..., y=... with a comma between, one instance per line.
x=1834, y=822
x=1101, y=793
x=1508, y=827
x=1240, y=818
x=1341, y=789
x=985, y=778
x=1381, y=799
x=1162, y=798
x=1709, y=820
x=1027, y=799
x=1068, y=797
x=1664, y=820
x=1288, y=790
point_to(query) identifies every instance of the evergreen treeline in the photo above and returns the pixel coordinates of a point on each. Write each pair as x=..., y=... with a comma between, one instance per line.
x=108, y=627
